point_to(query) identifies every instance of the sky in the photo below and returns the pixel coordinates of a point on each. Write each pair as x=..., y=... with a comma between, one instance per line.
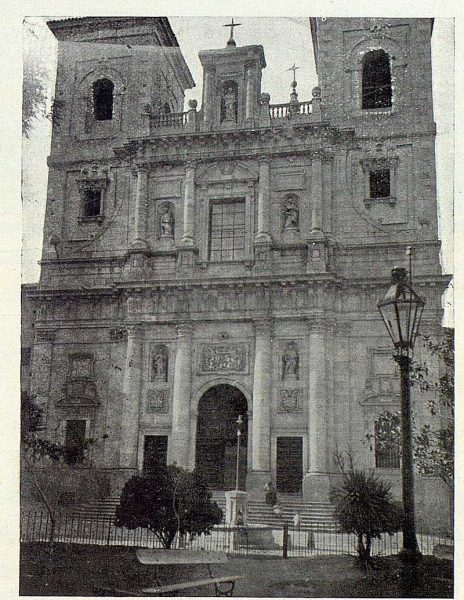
x=286, y=40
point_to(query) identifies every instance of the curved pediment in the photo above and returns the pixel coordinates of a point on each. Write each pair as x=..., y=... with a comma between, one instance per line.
x=225, y=170
x=79, y=392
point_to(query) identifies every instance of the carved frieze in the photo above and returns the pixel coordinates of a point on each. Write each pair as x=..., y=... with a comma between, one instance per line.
x=158, y=401
x=223, y=358
x=290, y=400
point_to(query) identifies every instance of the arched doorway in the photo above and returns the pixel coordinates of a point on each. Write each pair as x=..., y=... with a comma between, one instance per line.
x=216, y=445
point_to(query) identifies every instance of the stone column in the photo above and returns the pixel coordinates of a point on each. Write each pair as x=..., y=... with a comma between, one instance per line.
x=250, y=102
x=316, y=193
x=261, y=448
x=180, y=437
x=189, y=199
x=316, y=481
x=131, y=388
x=264, y=201
x=208, y=97
x=141, y=200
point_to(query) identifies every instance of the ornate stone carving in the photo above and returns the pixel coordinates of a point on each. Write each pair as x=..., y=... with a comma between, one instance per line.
x=290, y=401
x=79, y=392
x=160, y=363
x=223, y=358
x=158, y=401
x=81, y=366
x=291, y=362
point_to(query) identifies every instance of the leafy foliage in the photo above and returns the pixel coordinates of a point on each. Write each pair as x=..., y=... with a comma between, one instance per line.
x=170, y=500
x=33, y=445
x=364, y=506
x=36, y=79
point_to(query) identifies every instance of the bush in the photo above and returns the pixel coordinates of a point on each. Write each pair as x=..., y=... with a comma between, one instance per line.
x=364, y=506
x=171, y=500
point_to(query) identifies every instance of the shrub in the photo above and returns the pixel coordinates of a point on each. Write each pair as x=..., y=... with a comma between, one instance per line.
x=170, y=500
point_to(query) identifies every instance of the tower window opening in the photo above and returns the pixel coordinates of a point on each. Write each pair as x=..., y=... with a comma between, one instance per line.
x=103, y=91
x=379, y=183
x=92, y=203
x=376, y=80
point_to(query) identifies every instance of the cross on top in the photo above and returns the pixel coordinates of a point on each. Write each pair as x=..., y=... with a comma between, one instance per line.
x=293, y=68
x=232, y=25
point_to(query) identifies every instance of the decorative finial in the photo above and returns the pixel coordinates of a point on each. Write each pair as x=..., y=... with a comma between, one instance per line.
x=231, y=41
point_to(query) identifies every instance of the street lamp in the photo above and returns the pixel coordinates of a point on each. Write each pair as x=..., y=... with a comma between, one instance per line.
x=401, y=310
x=237, y=465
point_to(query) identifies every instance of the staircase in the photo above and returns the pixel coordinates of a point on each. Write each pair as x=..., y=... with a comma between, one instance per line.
x=312, y=514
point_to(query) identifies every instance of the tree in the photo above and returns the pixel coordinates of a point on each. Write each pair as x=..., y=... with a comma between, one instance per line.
x=364, y=506
x=433, y=445
x=170, y=500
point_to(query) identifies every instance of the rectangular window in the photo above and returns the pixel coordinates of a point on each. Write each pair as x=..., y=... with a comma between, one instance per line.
x=75, y=441
x=227, y=231
x=387, y=445
x=379, y=183
x=92, y=203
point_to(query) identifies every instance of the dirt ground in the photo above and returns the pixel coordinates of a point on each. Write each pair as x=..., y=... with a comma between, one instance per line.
x=72, y=570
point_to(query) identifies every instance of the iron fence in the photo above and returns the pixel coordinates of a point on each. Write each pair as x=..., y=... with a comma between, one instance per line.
x=286, y=541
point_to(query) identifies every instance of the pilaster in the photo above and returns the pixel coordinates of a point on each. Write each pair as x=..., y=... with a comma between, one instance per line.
x=180, y=438
x=141, y=201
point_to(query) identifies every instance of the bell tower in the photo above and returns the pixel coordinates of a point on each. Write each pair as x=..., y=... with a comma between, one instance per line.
x=231, y=84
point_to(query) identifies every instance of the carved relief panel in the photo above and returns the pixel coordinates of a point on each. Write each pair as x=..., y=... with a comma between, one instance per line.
x=223, y=358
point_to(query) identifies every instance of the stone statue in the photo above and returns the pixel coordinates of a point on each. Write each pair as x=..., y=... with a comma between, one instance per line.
x=291, y=216
x=229, y=105
x=160, y=365
x=290, y=362
x=167, y=222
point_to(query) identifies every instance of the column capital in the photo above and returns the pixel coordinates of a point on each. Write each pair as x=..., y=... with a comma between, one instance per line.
x=263, y=326
x=139, y=168
x=191, y=165
x=317, y=325
x=135, y=330
x=317, y=155
x=184, y=330
x=263, y=160
x=45, y=336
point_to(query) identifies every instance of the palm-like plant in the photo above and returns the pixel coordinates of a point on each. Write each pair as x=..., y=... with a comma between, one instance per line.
x=364, y=506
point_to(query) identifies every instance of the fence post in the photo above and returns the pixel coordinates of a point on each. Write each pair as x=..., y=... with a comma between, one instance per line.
x=285, y=541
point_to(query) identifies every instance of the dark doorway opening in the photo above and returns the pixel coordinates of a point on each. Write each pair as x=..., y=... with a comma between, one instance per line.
x=216, y=445
x=289, y=474
x=75, y=441
x=155, y=451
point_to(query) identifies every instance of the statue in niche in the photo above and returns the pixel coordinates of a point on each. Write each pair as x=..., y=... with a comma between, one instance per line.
x=290, y=362
x=160, y=364
x=229, y=101
x=291, y=215
x=167, y=222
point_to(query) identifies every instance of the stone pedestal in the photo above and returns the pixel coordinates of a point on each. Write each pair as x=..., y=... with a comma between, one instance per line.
x=316, y=487
x=256, y=482
x=236, y=506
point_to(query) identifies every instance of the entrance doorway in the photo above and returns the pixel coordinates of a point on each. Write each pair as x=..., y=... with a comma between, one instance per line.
x=289, y=474
x=216, y=445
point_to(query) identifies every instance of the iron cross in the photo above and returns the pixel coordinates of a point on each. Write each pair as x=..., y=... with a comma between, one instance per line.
x=232, y=25
x=293, y=68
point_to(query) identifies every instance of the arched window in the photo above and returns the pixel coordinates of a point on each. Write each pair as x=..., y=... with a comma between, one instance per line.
x=103, y=100
x=376, y=80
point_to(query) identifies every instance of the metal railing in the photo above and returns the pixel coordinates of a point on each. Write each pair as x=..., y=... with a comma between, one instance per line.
x=286, y=541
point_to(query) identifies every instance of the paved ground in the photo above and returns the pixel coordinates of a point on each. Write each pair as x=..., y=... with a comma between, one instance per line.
x=71, y=570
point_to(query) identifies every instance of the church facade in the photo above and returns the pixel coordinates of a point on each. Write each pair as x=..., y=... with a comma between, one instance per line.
x=225, y=262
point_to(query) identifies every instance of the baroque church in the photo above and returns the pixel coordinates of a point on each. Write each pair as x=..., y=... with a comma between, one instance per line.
x=224, y=262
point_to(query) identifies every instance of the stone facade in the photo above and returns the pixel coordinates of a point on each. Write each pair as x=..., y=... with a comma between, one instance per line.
x=136, y=321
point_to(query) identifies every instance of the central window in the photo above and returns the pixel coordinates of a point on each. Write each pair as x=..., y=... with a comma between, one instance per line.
x=227, y=230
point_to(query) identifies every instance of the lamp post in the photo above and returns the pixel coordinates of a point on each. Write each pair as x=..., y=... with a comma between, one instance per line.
x=401, y=310
x=237, y=464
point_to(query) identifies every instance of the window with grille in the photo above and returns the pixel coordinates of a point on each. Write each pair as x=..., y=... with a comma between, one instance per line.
x=92, y=203
x=379, y=183
x=376, y=80
x=387, y=443
x=227, y=230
